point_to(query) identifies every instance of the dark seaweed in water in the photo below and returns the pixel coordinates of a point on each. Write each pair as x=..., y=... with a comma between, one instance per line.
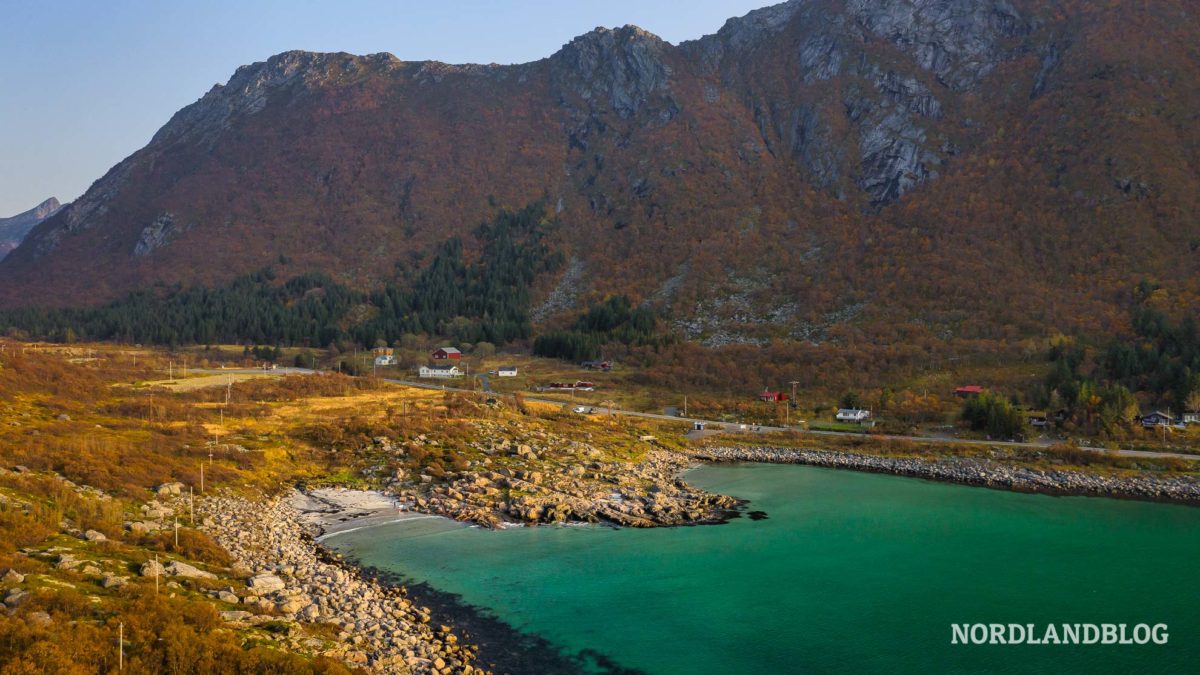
x=757, y=515
x=502, y=648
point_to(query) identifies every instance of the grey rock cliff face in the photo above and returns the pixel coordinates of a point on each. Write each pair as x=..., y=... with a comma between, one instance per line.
x=896, y=61
x=624, y=69
x=156, y=235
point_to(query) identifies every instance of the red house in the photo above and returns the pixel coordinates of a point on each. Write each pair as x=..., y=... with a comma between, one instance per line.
x=447, y=353
x=768, y=395
x=968, y=391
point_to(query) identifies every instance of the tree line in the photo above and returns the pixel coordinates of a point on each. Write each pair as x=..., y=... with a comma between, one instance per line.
x=484, y=300
x=614, y=320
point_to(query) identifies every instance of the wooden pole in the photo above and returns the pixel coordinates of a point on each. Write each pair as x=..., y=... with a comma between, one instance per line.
x=121, y=646
x=202, y=476
x=156, y=574
x=176, y=533
x=192, y=505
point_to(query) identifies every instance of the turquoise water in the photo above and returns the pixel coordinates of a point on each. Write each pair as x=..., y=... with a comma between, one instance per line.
x=851, y=573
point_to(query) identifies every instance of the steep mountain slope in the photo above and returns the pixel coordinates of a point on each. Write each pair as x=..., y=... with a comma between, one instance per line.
x=820, y=169
x=14, y=229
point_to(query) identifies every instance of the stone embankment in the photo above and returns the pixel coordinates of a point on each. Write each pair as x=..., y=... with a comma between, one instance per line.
x=971, y=471
x=290, y=578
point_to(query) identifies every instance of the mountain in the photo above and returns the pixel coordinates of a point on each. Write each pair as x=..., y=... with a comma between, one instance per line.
x=839, y=171
x=14, y=229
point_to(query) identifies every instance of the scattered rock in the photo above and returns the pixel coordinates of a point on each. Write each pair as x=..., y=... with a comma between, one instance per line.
x=40, y=619
x=113, y=581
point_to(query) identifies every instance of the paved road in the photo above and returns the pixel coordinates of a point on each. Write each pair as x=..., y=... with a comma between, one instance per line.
x=814, y=432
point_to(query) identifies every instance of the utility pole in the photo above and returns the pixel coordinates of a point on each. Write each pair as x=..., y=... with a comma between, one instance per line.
x=176, y=532
x=170, y=370
x=156, y=574
x=685, y=405
x=121, y=646
x=192, y=505
x=202, y=476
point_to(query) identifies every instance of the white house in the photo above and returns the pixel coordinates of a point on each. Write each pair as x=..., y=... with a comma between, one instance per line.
x=506, y=371
x=1191, y=417
x=440, y=372
x=385, y=360
x=853, y=415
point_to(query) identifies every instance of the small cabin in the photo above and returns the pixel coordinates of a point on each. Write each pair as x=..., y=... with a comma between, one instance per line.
x=1037, y=420
x=772, y=396
x=385, y=359
x=968, y=391
x=1192, y=417
x=506, y=371
x=1156, y=419
x=446, y=353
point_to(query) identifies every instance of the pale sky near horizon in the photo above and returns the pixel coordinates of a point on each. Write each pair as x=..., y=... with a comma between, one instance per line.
x=85, y=83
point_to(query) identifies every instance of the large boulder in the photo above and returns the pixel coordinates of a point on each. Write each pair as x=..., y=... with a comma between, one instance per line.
x=178, y=569
x=152, y=568
x=293, y=604
x=170, y=489
x=263, y=584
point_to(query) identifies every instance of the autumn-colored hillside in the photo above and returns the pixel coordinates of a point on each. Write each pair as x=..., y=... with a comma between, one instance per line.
x=829, y=171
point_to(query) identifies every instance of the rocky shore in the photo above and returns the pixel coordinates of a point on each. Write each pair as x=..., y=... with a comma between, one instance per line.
x=290, y=577
x=646, y=494
x=971, y=471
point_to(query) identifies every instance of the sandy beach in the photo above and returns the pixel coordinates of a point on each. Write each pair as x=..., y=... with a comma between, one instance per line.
x=327, y=512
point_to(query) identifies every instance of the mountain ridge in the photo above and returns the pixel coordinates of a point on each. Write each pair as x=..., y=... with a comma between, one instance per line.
x=812, y=168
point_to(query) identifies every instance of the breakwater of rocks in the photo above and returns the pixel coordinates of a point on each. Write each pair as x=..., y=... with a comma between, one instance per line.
x=290, y=577
x=972, y=471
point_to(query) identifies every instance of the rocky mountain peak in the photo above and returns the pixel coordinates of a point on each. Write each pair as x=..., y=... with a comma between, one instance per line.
x=740, y=32
x=14, y=229
x=46, y=209
x=622, y=66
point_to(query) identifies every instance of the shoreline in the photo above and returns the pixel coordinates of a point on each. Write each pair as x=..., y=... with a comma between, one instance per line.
x=325, y=513
x=972, y=472
x=291, y=576
x=342, y=590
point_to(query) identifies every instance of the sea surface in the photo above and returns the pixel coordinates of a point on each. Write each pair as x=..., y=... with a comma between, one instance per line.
x=849, y=573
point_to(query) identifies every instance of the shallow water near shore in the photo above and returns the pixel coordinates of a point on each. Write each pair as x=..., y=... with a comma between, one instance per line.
x=848, y=573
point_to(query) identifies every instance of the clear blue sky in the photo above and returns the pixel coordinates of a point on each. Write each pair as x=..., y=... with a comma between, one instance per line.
x=84, y=83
